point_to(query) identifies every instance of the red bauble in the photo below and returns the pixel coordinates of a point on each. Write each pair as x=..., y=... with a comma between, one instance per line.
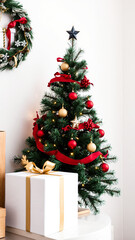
x=89, y=104
x=40, y=133
x=72, y=96
x=105, y=167
x=101, y=132
x=72, y=144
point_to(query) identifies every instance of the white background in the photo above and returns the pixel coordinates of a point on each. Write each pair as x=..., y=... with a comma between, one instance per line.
x=107, y=34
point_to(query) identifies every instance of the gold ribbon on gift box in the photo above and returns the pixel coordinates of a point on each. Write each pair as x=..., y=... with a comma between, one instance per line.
x=47, y=167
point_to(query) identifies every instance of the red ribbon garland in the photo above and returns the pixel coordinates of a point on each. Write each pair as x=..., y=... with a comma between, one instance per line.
x=12, y=24
x=63, y=78
x=63, y=158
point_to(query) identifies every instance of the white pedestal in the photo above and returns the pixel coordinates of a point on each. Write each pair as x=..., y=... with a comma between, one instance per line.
x=89, y=227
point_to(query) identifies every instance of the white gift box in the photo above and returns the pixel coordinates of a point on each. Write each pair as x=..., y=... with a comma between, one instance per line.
x=6, y=39
x=48, y=209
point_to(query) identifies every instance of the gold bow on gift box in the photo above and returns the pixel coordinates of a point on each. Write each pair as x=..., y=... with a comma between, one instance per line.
x=31, y=166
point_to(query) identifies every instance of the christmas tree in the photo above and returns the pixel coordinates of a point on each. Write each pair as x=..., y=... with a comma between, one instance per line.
x=61, y=135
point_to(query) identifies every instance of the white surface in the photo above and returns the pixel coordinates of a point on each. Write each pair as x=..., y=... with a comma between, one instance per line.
x=6, y=39
x=129, y=119
x=21, y=90
x=89, y=227
x=45, y=207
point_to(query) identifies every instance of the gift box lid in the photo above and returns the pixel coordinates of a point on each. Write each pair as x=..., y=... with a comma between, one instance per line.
x=2, y=212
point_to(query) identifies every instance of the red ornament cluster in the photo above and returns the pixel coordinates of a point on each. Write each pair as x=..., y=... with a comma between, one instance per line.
x=85, y=82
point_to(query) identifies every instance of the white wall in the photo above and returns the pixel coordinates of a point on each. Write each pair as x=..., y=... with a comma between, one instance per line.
x=21, y=90
x=129, y=119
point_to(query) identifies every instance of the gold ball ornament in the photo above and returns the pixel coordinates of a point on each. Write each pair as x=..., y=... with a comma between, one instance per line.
x=64, y=66
x=62, y=112
x=91, y=147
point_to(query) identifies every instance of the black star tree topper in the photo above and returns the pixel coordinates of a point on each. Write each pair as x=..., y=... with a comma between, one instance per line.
x=73, y=33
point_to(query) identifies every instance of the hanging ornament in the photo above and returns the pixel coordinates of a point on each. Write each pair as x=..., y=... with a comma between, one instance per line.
x=104, y=167
x=72, y=95
x=62, y=112
x=72, y=143
x=91, y=147
x=89, y=104
x=101, y=132
x=64, y=66
x=40, y=133
x=75, y=122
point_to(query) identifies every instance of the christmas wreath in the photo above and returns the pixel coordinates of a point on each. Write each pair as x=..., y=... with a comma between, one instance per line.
x=12, y=54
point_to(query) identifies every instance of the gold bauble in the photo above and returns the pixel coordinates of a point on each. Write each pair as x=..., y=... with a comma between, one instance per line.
x=62, y=112
x=53, y=120
x=64, y=66
x=91, y=147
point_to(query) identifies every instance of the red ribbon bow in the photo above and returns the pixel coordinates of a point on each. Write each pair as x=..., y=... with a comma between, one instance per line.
x=60, y=59
x=60, y=78
x=12, y=24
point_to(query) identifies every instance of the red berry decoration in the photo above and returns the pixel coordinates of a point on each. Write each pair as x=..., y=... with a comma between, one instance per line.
x=72, y=144
x=101, y=132
x=89, y=104
x=40, y=133
x=105, y=167
x=72, y=96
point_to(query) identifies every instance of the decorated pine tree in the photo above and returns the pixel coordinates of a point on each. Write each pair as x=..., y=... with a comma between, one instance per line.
x=67, y=131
